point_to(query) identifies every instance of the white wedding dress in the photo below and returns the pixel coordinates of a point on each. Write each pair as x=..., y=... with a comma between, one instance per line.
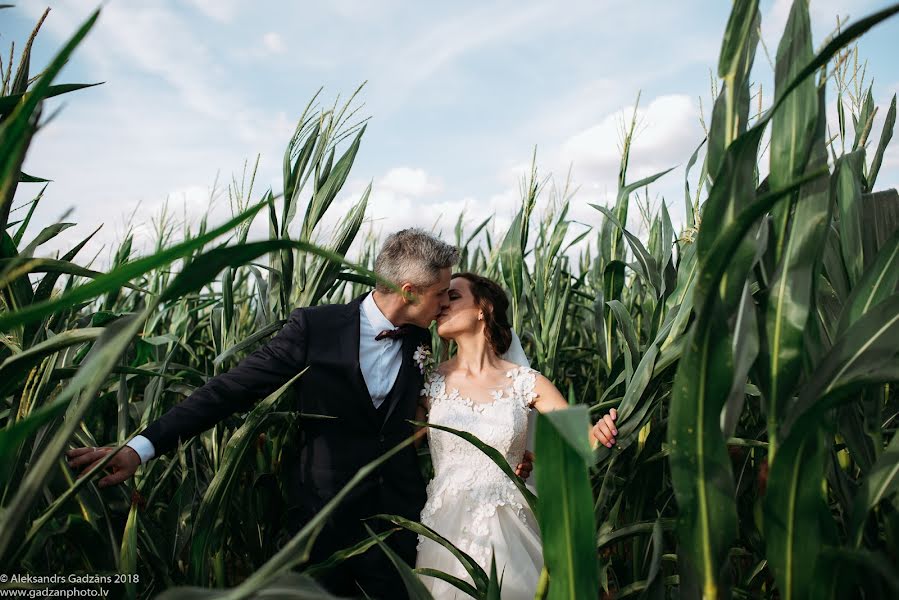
x=471, y=502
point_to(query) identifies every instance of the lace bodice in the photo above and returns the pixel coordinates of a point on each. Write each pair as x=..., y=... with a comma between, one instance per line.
x=459, y=467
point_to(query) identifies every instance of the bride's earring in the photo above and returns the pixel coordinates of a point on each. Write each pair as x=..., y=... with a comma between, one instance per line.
x=480, y=316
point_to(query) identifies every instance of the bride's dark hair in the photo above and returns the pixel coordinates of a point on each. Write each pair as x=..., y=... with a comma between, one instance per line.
x=494, y=303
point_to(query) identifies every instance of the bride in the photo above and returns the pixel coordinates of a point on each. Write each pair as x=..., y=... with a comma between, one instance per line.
x=471, y=502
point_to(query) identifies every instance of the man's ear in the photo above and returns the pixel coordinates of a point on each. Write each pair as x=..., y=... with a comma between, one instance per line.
x=408, y=293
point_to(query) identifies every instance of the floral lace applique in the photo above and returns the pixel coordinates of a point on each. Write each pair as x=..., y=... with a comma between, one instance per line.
x=465, y=474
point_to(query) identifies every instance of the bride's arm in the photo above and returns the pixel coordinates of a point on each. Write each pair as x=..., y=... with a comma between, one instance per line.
x=550, y=399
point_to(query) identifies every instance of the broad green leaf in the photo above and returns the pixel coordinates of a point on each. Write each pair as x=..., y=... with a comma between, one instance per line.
x=77, y=398
x=495, y=455
x=16, y=129
x=737, y=37
x=880, y=483
x=341, y=555
x=865, y=353
x=793, y=126
x=49, y=265
x=8, y=103
x=14, y=368
x=886, y=135
x=122, y=275
x=637, y=386
x=286, y=586
x=414, y=585
x=567, y=526
x=793, y=509
x=128, y=554
x=700, y=466
x=877, y=283
x=649, y=270
x=473, y=569
x=848, y=188
x=211, y=512
x=297, y=550
x=801, y=243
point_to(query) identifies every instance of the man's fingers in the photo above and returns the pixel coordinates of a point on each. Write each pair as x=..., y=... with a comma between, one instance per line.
x=115, y=479
x=87, y=457
x=78, y=452
x=91, y=466
x=528, y=455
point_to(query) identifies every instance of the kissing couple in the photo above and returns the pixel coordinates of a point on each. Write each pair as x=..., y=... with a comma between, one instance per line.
x=365, y=369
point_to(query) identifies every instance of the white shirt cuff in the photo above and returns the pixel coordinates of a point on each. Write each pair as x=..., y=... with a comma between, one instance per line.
x=143, y=447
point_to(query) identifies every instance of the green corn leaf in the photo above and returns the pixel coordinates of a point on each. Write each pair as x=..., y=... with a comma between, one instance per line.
x=14, y=368
x=474, y=570
x=794, y=125
x=794, y=506
x=341, y=555
x=210, y=514
x=119, y=276
x=880, y=483
x=494, y=454
x=16, y=129
x=790, y=300
x=877, y=283
x=8, y=103
x=700, y=466
x=886, y=135
x=414, y=585
x=563, y=484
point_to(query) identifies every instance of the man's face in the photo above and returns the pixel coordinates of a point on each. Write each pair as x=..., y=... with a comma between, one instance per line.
x=431, y=301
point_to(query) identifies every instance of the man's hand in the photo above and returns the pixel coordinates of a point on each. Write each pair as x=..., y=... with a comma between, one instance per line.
x=122, y=466
x=604, y=431
x=524, y=469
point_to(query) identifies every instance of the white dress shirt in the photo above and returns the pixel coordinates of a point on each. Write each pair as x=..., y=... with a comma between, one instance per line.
x=379, y=360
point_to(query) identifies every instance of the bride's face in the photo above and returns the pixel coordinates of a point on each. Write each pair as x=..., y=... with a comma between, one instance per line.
x=462, y=314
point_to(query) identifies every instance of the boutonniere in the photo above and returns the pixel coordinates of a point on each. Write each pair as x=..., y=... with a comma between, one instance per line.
x=423, y=359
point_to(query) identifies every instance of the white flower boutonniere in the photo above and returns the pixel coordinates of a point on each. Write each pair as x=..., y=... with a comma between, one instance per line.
x=423, y=359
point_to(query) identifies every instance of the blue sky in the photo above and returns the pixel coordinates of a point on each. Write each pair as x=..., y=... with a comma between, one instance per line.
x=458, y=94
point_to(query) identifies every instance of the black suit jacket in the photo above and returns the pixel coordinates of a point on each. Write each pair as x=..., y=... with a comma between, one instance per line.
x=326, y=339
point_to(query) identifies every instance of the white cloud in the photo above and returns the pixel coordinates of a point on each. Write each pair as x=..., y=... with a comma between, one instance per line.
x=667, y=132
x=219, y=10
x=406, y=181
x=274, y=43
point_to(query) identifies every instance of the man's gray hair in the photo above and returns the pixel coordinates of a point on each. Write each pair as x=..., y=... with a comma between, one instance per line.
x=414, y=256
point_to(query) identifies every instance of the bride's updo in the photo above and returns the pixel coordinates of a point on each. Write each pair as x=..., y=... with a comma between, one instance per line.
x=494, y=303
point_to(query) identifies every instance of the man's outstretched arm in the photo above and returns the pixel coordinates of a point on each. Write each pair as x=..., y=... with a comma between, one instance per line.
x=255, y=377
x=237, y=390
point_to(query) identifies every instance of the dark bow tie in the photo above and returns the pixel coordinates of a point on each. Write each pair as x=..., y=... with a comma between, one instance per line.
x=393, y=333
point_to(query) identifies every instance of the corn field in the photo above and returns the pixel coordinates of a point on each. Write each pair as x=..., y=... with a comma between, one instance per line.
x=752, y=357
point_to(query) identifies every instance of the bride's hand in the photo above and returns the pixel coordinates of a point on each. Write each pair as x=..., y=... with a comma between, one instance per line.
x=524, y=469
x=605, y=431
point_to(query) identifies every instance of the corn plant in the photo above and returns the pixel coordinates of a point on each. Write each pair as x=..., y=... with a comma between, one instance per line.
x=751, y=356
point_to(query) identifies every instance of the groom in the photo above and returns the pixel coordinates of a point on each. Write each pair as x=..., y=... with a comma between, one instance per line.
x=362, y=373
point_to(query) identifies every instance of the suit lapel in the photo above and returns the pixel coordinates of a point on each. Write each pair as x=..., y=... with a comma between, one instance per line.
x=402, y=378
x=348, y=337
x=407, y=373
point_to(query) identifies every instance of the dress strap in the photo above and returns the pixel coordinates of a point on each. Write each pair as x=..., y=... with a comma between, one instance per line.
x=524, y=379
